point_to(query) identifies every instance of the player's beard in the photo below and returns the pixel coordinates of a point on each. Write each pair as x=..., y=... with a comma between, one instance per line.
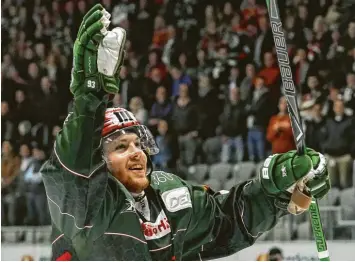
x=134, y=184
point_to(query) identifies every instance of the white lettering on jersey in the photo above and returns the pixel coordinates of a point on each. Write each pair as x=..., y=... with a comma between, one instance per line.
x=177, y=199
x=157, y=229
x=284, y=171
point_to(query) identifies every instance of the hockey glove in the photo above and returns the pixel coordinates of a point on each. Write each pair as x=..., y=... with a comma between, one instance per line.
x=281, y=173
x=98, y=54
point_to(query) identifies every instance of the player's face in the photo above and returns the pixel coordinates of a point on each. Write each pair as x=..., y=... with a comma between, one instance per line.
x=128, y=162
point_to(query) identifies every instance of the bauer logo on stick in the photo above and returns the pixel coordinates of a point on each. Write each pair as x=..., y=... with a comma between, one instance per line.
x=286, y=73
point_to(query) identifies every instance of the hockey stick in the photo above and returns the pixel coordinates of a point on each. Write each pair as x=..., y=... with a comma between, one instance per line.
x=298, y=133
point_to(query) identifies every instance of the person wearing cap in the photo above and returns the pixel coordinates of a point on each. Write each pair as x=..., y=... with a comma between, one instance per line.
x=275, y=254
x=106, y=201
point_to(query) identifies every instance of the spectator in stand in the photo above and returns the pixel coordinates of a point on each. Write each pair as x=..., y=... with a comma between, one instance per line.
x=151, y=84
x=136, y=106
x=332, y=15
x=271, y=75
x=259, y=112
x=233, y=81
x=33, y=82
x=161, y=109
x=143, y=26
x=161, y=33
x=185, y=122
x=51, y=67
x=25, y=167
x=347, y=42
x=178, y=78
x=275, y=254
x=203, y=65
x=349, y=60
x=301, y=66
x=37, y=209
x=7, y=126
x=279, y=131
x=321, y=36
x=333, y=53
x=126, y=90
x=10, y=169
x=23, y=109
x=24, y=132
x=170, y=46
x=251, y=10
x=7, y=66
x=349, y=92
x=303, y=19
x=327, y=105
x=221, y=72
x=182, y=62
x=47, y=104
x=227, y=14
x=338, y=141
x=167, y=144
x=210, y=39
x=246, y=86
x=208, y=115
x=154, y=62
x=294, y=34
x=314, y=90
x=264, y=41
x=315, y=128
x=233, y=128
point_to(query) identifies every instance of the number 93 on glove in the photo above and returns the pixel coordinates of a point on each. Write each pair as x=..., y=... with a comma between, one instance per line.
x=281, y=174
x=98, y=54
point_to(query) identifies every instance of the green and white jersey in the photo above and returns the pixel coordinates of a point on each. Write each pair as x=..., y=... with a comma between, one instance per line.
x=94, y=217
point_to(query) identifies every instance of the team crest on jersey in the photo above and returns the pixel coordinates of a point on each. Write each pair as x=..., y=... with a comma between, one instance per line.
x=157, y=229
x=129, y=206
x=177, y=199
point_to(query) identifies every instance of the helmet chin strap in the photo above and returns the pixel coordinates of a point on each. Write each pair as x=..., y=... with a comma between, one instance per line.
x=149, y=164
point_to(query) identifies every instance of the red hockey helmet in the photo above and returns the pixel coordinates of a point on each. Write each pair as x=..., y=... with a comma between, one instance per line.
x=120, y=121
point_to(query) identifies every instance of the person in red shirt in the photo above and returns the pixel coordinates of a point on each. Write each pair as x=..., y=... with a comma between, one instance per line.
x=271, y=74
x=161, y=33
x=279, y=132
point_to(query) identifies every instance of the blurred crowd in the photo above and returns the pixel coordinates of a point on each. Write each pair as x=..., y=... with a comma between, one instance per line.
x=202, y=74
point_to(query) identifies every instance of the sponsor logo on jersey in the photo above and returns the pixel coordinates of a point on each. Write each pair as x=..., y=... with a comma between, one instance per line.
x=177, y=199
x=157, y=229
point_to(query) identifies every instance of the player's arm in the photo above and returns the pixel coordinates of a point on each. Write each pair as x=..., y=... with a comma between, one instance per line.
x=76, y=193
x=224, y=223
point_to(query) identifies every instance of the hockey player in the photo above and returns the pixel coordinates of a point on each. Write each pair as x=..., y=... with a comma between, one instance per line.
x=107, y=203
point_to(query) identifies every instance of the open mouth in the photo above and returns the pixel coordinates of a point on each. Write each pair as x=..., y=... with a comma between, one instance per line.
x=136, y=167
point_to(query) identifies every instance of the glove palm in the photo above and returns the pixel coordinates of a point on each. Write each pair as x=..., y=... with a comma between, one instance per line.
x=89, y=73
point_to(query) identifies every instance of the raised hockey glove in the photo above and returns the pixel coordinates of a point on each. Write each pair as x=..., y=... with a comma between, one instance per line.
x=281, y=173
x=98, y=54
